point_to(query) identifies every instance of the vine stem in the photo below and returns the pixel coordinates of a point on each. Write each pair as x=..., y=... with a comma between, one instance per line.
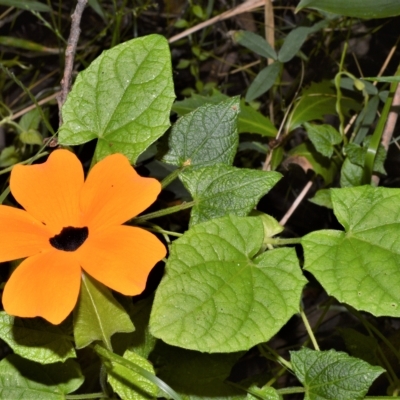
x=309, y=329
x=85, y=396
x=264, y=347
x=171, y=177
x=281, y=242
x=166, y=211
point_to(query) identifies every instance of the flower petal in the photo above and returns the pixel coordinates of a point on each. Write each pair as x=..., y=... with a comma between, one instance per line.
x=50, y=191
x=114, y=192
x=46, y=285
x=121, y=257
x=21, y=235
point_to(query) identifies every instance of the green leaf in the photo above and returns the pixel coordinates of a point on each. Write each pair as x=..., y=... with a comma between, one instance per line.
x=263, y=81
x=97, y=8
x=206, y=136
x=220, y=190
x=129, y=384
x=355, y=8
x=357, y=154
x=322, y=198
x=123, y=99
x=218, y=294
x=26, y=5
x=255, y=43
x=271, y=225
x=30, y=120
x=389, y=79
x=320, y=165
x=9, y=156
x=360, y=266
x=24, y=379
x=36, y=339
x=196, y=375
x=249, y=119
x=265, y=393
x=252, y=121
x=26, y=44
x=31, y=136
x=317, y=101
x=323, y=137
x=296, y=38
x=98, y=315
x=350, y=174
x=192, y=374
x=333, y=375
x=142, y=341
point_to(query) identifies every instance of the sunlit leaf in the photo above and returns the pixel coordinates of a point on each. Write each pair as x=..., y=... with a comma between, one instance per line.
x=36, y=339
x=129, y=384
x=360, y=266
x=333, y=375
x=206, y=136
x=265, y=393
x=98, y=315
x=322, y=198
x=123, y=99
x=219, y=294
x=220, y=190
x=191, y=373
x=249, y=119
x=24, y=379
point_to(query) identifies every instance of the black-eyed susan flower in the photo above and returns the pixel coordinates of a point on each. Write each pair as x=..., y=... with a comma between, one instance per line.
x=69, y=225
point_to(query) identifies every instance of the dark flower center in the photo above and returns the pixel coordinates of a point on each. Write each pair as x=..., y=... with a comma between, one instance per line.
x=70, y=238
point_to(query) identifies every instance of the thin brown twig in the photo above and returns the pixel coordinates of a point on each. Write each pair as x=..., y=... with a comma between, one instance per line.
x=33, y=106
x=269, y=26
x=296, y=203
x=248, y=5
x=70, y=53
x=389, y=127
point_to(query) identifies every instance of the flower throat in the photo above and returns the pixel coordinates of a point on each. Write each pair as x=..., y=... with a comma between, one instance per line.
x=70, y=238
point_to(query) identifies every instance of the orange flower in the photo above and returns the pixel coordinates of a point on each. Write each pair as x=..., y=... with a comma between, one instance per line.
x=70, y=224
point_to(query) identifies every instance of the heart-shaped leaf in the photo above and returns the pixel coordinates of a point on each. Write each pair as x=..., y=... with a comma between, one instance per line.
x=360, y=266
x=129, y=384
x=220, y=190
x=249, y=119
x=36, y=339
x=24, y=379
x=206, y=136
x=332, y=375
x=123, y=99
x=219, y=294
